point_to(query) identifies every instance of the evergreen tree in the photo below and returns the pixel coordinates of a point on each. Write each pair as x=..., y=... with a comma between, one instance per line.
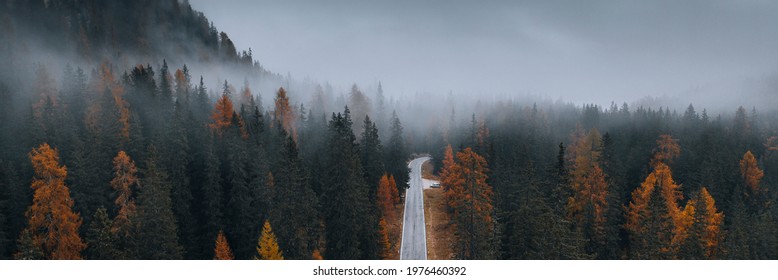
x=158, y=234
x=211, y=203
x=345, y=196
x=396, y=155
x=101, y=242
x=294, y=207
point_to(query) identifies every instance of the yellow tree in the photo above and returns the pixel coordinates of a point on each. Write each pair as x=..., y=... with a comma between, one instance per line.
x=222, y=249
x=587, y=205
x=267, y=247
x=654, y=221
x=706, y=230
x=52, y=226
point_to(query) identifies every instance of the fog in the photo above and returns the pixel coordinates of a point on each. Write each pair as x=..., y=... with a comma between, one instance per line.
x=583, y=52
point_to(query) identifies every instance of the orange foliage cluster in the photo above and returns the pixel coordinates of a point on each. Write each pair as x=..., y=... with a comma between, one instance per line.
x=124, y=178
x=468, y=195
x=222, y=113
x=267, y=246
x=51, y=220
x=283, y=113
x=660, y=180
x=710, y=219
x=667, y=149
x=750, y=172
x=588, y=184
x=387, y=196
x=451, y=180
x=386, y=246
x=699, y=212
x=222, y=250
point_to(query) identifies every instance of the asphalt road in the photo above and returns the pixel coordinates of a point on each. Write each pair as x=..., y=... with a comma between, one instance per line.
x=414, y=238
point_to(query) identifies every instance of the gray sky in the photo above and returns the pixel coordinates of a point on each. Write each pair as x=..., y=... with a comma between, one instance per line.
x=582, y=51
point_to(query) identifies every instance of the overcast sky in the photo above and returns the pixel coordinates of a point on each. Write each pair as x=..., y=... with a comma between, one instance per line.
x=582, y=51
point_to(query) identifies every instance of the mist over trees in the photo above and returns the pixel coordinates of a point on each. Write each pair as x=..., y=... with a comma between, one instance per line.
x=143, y=133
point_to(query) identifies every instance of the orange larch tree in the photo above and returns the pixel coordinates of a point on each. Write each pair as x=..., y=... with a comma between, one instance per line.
x=706, y=230
x=125, y=178
x=451, y=180
x=666, y=151
x=222, y=114
x=656, y=224
x=386, y=246
x=52, y=225
x=222, y=249
x=588, y=203
x=393, y=188
x=283, y=113
x=751, y=173
x=385, y=200
x=474, y=213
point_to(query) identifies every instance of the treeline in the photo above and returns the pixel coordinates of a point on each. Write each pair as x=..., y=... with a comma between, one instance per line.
x=591, y=183
x=96, y=30
x=148, y=165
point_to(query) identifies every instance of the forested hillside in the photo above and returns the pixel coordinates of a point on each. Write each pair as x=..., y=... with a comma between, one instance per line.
x=145, y=162
x=578, y=183
x=117, y=143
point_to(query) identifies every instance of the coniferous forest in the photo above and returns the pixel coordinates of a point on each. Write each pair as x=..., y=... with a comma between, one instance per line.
x=137, y=130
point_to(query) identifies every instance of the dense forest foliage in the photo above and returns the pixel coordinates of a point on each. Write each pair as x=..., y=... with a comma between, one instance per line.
x=110, y=148
x=586, y=182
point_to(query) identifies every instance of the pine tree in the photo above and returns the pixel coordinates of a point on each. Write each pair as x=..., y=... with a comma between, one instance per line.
x=241, y=192
x=158, y=235
x=396, y=155
x=211, y=203
x=371, y=151
x=345, y=196
x=177, y=161
x=101, y=242
x=267, y=246
x=52, y=226
x=704, y=235
x=294, y=207
x=222, y=250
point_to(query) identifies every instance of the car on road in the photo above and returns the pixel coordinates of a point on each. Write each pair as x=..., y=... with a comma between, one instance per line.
x=435, y=185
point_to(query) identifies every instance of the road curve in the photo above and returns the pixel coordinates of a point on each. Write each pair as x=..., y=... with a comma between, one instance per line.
x=414, y=236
